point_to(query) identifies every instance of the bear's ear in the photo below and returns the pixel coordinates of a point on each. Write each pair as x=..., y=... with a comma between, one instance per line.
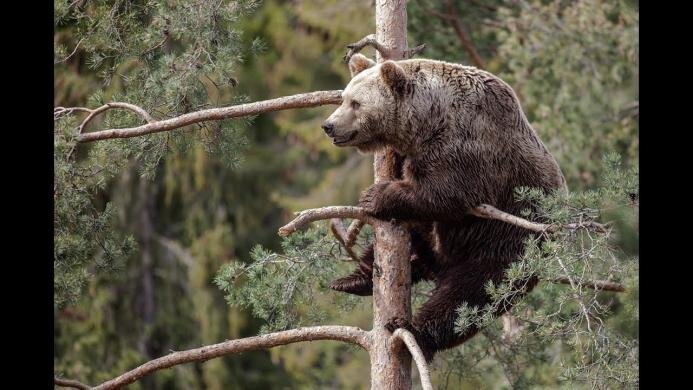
x=394, y=76
x=358, y=63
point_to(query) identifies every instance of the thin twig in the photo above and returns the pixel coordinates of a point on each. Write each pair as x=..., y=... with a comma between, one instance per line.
x=575, y=295
x=340, y=233
x=462, y=34
x=71, y=54
x=464, y=38
x=353, y=232
x=602, y=285
x=61, y=111
x=70, y=383
x=411, y=52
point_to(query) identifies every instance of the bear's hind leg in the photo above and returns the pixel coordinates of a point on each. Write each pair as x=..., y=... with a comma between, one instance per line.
x=434, y=325
x=360, y=282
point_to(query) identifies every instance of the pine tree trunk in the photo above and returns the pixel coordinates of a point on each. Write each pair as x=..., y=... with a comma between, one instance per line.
x=391, y=276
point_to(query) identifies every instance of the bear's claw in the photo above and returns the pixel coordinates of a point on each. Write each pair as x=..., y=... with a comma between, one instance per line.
x=372, y=199
x=399, y=322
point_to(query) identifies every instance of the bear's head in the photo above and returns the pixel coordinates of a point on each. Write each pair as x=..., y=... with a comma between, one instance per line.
x=368, y=116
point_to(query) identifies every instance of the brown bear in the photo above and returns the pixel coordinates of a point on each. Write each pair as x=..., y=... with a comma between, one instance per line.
x=455, y=137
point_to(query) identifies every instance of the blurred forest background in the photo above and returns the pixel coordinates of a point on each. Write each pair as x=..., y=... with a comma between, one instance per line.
x=143, y=226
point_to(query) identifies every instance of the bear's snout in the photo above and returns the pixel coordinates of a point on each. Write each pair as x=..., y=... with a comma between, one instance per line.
x=329, y=128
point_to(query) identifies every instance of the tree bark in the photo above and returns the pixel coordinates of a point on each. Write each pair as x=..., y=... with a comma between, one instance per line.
x=390, y=369
x=144, y=231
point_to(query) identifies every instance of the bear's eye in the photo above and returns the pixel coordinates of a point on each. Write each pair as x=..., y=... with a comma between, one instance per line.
x=355, y=105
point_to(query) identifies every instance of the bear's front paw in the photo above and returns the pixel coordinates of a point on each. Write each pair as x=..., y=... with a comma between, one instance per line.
x=421, y=339
x=399, y=322
x=372, y=200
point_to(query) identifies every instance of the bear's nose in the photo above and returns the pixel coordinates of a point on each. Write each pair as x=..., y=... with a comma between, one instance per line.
x=329, y=128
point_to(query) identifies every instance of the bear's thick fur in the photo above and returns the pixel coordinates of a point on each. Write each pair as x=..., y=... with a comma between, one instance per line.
x=455, y=137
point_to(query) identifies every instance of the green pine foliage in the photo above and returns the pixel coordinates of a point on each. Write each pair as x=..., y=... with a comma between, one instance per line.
x=576, y=320
x=167, y=57
x=85, y=241
x=280, y=288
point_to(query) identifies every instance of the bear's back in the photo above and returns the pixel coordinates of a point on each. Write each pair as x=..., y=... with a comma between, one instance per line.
x=496, y=122
x=497, y=142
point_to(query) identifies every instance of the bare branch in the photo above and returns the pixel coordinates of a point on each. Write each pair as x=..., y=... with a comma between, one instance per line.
x=632, y=109
x=139, y=110
x=410, y=341
x=347, y=237
x=482, y=5
x=60, y=111
x=511, y=327
x=311, y=99
x=464, y=38
x=577, y=297
x=603, y=285
x=385, y=52
x=353, y=232
x=411, y=52
x=70, y=383
x=490, y=212
x=462, y=34
x=368, y=40
x=483, y=211
x=71, y=54
x=348, y=334
x=340, y=233
x=311, y=215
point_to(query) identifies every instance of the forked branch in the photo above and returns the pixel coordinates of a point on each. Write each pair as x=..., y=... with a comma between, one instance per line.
x=602, y=285
x=305, y=217
x=60, y=111
x=70, y=383
x=340, y=234
x=385, y=52
x=347, y=334
x=353, y=232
